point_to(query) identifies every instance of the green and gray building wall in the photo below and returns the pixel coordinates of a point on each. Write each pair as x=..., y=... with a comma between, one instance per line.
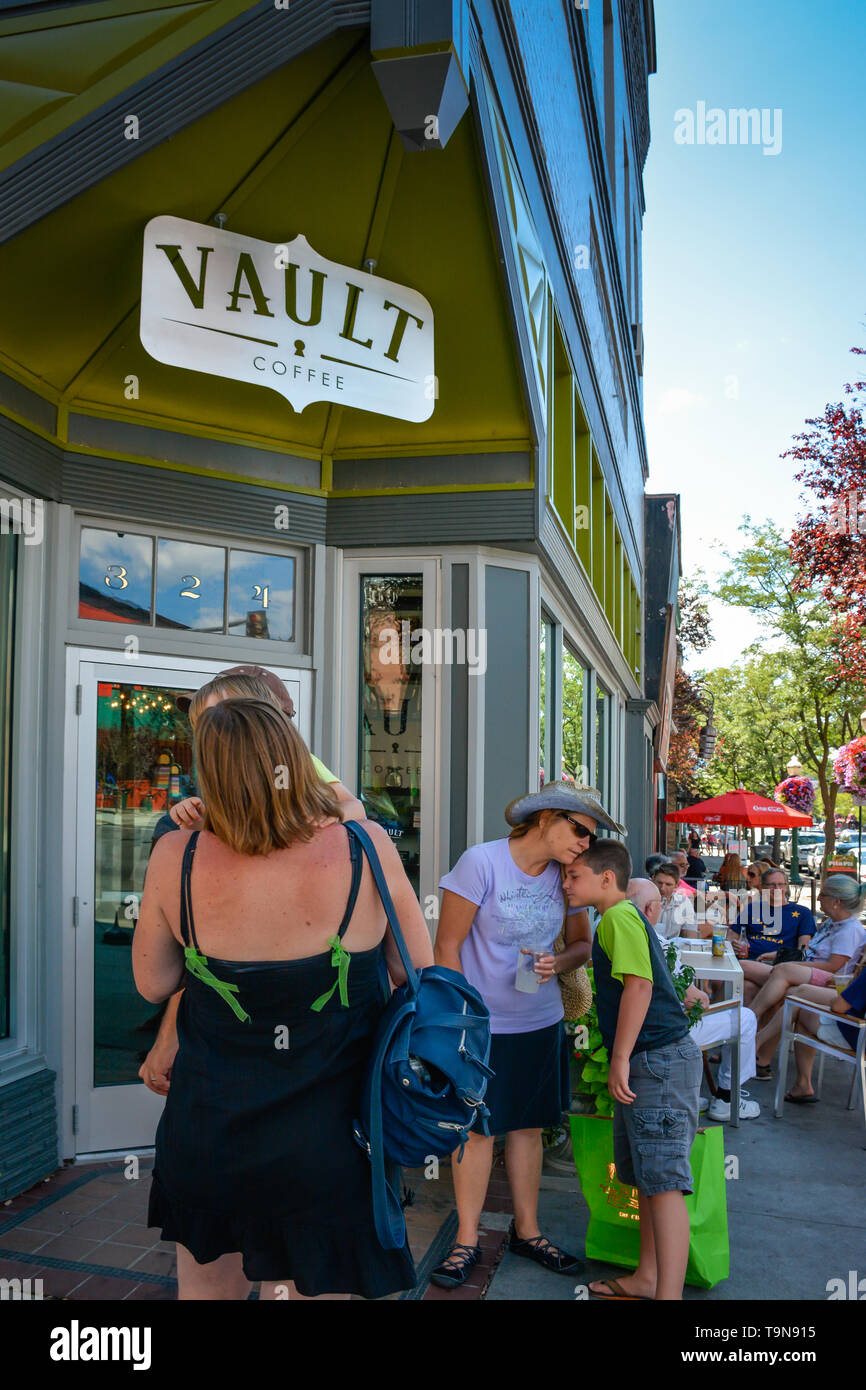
x=519, y=502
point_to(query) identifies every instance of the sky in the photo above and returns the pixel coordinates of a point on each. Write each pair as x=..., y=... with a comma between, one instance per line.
x=753, y=263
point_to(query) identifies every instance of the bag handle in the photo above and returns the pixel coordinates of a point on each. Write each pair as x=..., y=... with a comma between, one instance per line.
x=369, y=849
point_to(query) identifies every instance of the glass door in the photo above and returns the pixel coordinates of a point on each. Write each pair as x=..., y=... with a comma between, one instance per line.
x=135, y=761
x=389, y=697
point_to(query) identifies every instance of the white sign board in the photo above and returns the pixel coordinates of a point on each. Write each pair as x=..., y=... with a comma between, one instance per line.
x=282, y=316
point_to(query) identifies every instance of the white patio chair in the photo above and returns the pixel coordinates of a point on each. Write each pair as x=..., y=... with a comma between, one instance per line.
x=854, y=1056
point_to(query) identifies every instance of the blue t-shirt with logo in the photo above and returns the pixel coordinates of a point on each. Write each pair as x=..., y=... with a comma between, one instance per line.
x=773, y=928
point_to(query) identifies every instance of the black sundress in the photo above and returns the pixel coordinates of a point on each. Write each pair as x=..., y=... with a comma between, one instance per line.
x=255, y=1151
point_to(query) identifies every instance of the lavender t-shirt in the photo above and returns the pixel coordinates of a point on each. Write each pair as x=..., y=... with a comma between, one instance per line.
x=514, y=909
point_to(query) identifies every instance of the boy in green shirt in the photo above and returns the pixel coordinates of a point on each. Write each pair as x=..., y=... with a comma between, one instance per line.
x=655, y=1071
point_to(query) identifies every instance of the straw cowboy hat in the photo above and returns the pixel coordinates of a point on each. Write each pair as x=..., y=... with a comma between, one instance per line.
x=562, y=796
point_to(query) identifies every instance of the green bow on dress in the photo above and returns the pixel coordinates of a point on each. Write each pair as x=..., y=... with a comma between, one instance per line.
x=340, y=960
x=197, y=965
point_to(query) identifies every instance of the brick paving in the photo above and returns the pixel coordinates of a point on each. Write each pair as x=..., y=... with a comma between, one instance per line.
x=82, y=1232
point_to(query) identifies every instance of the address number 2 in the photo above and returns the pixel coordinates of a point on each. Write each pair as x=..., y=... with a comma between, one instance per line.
x=193, y=582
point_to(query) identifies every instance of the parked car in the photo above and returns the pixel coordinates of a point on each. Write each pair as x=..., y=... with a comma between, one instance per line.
x=806, y=840
x=814, y=858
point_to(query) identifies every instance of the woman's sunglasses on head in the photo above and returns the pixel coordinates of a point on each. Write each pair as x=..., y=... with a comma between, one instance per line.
x=580, y=830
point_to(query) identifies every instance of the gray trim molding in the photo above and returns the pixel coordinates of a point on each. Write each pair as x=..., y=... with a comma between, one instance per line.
x=433, y=470
x=437, y=518
x=190, y=86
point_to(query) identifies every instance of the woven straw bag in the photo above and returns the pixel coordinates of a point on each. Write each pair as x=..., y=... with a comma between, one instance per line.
x=575, y=986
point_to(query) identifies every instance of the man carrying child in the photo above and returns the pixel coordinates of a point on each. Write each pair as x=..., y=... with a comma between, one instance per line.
x=655, y=1072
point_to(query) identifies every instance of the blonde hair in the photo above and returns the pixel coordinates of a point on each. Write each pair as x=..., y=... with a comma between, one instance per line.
x=234, y=687
x=260, y=788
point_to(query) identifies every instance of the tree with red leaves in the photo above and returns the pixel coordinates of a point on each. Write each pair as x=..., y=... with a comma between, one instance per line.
x=828, y=546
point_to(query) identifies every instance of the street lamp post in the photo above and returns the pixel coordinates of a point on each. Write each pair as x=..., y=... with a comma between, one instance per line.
x=795, y=769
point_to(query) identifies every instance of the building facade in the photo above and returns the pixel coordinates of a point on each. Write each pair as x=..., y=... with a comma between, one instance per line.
x=447, y=196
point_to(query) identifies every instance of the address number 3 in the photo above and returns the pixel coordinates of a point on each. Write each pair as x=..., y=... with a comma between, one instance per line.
x=193, y=582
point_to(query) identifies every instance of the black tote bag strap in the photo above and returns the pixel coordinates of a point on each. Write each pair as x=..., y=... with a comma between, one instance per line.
x=187, y=925
x=390, y=911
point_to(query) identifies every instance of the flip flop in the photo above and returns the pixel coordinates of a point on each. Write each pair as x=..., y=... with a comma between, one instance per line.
x=618, y=1293
x=801, y=1100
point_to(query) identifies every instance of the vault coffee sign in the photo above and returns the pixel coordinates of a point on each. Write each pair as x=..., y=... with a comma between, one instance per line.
x=282, y=316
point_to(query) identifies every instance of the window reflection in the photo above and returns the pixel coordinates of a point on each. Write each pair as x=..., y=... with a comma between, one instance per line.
x=190, y=586
x=602, y=743
x=389, y=774
x=573, y=688
x=143, y=765
x=115, y=576
x=261, y=595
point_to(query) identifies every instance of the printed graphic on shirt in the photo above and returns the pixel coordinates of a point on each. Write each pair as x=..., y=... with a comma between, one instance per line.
x=525, y=917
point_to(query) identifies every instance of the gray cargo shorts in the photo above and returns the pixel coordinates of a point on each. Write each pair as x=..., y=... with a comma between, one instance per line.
x=653, y=1137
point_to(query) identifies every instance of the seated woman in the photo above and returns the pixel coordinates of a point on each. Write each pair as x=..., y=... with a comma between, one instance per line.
x=852, y=1000
x=270, y=916
x=730, y=875
x=677, y=915
x=840, y=938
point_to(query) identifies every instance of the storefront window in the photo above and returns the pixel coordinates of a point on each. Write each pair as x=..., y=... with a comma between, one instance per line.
x=8, y=556
x=262, y=595
x=389, y=773
x=190, y=586
x=115, y=576
x=143, y=766
x=545, y=702
x=602, y=742
x=199, y=588
x=573, y=688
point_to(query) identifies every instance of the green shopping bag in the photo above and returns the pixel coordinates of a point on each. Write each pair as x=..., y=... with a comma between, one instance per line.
x=614, y=1222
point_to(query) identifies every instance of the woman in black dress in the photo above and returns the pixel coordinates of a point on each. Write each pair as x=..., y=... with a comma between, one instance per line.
x=276, y=929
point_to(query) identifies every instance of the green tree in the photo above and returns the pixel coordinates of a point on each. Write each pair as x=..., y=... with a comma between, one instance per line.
x=573, y=685
x=810, y=700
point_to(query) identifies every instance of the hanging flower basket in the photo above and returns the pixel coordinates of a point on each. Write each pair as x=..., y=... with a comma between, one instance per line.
x=798, y=793
x=849, y=767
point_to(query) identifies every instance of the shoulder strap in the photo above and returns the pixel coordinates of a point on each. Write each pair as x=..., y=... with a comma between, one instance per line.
x=369, y=849
x=357, y=867
x=187, y=925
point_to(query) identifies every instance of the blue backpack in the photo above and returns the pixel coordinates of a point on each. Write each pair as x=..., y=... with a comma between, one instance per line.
x=427, y=1073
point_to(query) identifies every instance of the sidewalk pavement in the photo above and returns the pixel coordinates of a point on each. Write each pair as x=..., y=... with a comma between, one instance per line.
x=82, y=1232
x=793, y=1217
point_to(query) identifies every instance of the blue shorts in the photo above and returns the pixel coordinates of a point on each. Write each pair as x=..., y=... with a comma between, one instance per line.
x=653, y=1137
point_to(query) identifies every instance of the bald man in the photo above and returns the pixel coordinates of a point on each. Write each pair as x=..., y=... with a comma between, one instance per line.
x=712, y=1028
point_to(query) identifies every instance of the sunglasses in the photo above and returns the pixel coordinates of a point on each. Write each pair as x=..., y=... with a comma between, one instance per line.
x=580, y=830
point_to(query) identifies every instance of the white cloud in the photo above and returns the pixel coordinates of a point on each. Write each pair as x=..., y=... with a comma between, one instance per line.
x=675, y=399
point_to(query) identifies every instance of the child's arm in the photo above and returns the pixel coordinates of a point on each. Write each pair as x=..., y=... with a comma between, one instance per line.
x=633, y=1005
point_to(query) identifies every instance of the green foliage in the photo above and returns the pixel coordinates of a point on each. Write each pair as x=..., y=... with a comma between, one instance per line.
x=593, y=1061
x=682, y=981
x=788, y=694
x=573, y=682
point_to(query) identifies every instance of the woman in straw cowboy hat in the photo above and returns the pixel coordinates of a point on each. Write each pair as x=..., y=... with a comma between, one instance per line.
x=502, y=910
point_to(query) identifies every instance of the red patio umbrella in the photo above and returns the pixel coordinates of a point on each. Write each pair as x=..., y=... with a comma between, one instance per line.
x=739, y=808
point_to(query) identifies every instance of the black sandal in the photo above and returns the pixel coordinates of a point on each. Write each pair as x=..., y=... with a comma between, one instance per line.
x=540, y=1249
x=454, y=1269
